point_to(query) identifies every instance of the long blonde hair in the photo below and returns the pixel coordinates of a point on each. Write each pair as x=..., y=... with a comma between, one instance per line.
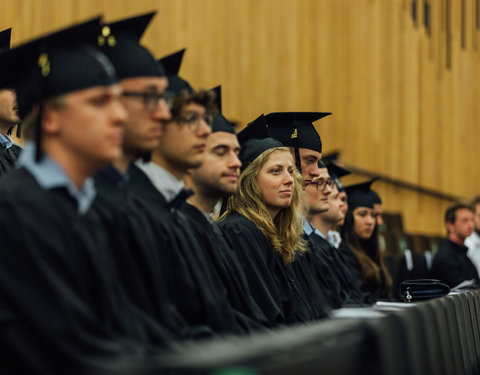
x=285, y=230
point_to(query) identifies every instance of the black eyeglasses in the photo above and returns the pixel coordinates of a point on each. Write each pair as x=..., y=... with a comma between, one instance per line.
x=192, y=120
x=322, y=183
x=150, y=100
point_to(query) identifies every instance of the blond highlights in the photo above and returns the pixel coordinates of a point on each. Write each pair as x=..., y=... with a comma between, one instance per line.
x=30, y=122
x=284, y=232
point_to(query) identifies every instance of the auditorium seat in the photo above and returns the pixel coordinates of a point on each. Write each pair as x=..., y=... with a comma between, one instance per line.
x=467, y=344
x=438, y=363
x=452, y=356
x=343, y=346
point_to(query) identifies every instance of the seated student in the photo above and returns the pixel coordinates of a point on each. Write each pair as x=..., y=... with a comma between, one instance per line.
x=320, y=259
x=451, y=264
x=325, y=222
x=68, y=313
x=360, y=237
x=262, y=225
x=339, y=199
x=194, y=285
x=214, y=180
x=296, y=131
x=134, y=242
x=9, y=151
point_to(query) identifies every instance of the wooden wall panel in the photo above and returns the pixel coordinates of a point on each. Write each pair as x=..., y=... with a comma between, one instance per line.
x=398, y=109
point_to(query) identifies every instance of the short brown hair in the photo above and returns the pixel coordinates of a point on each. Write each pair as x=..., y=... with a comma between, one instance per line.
x=451, y=213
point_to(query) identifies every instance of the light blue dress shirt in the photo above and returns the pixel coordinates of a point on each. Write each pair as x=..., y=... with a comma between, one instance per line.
x=49, y=175
x=308, y=228
x=5, y=141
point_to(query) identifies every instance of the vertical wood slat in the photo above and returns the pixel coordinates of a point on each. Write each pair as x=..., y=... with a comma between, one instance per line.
x=397, y=109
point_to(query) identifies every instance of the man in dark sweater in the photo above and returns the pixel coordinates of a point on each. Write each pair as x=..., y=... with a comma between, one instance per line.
x=451, y=264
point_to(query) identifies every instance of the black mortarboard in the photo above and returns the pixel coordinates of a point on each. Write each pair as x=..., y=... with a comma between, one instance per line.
x=358, y=195
x=321, y=164
x=375, y=197
x=5, y=37
x=254, y=140
x=331, y=157
x=55, y=64
x=220, y=123
x=171, y=64
x=295, y=129
x=120, y=42
x=336, y=172
x=256, y=129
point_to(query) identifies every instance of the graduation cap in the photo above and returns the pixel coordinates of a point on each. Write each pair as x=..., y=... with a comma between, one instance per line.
x=220, y=123
x=295, y=129
x=120, y=41
x=54, y=64
x=358, y=195
x=5, y=37
x=375, y=197
x=331, y=157
x=171, y=64
x=321, y=164
x=336, y=172
x=254, y=140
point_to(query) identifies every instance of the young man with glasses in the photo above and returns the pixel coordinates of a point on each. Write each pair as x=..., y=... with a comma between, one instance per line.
x=319, y=259
x=194, y=285
x=134, y=243
x=324, y=222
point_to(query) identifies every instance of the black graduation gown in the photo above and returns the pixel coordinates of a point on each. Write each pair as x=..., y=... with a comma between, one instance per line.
x=351, y=292
x=304, y=269
x=351, y=263
x=136, y=256
x=226, y=263
x=8, y=158
x=326, y=270
x=66, y=312
x=451, y=264
x=370, y=292
x=273, y=284
x=194, y=286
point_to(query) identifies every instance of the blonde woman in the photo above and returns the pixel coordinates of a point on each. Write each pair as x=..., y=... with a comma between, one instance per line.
x=264, y=229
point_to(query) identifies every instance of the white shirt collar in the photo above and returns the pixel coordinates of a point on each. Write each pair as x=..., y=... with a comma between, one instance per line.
x=166, y=183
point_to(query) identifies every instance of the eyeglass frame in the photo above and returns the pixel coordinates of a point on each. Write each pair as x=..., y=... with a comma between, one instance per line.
x=194, y=123
x=324, y=182
x=151, y=100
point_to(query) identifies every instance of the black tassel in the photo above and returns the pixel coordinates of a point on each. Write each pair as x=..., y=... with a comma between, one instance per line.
x=298, y=161
x=38, y=135
x=223, y=208
x=19, y=131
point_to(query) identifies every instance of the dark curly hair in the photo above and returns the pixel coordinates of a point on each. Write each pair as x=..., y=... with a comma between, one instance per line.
x=205, y=98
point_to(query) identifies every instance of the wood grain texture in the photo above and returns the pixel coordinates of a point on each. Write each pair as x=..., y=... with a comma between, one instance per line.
x=397, y=109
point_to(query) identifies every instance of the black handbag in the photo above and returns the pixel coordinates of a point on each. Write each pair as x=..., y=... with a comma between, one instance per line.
x=422, y=289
